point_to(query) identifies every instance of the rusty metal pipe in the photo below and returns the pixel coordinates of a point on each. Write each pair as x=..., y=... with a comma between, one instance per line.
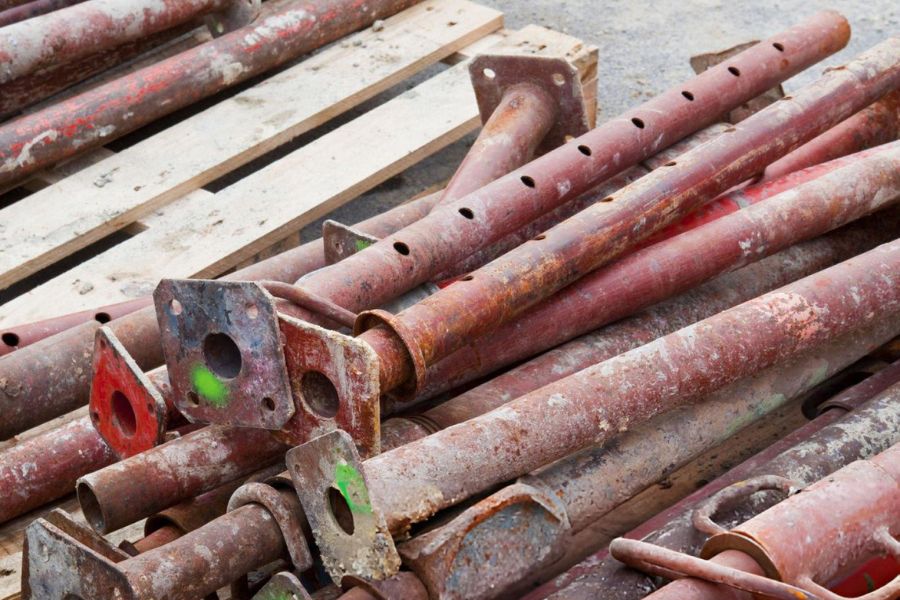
x=679, y=263
x=411, y=483
x=808, y=454
x=408, y=342
x=507, y=141
x=838, y=522
x=14, y=14
x=54, y=373
x=447, y=235
x=530, y=524
x=43, y=468
x=876, y=124
x=111, y=110
x=147, y=483
x=88, y=28
x=715, y=296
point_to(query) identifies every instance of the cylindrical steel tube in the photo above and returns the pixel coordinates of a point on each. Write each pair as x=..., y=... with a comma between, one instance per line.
x=418, y=336
x=14, y=14
x=413, y=482
x=507, y=141
x=806, y=455
x=715, y=296
x=588, y=484
x=87, y=28
x=147, y=483
x=53, y=375
x=43, y=468
x=876, y=124
x=674, y=265
x=104, y=113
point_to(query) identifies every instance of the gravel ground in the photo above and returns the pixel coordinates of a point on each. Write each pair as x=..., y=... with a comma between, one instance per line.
x=644, y=49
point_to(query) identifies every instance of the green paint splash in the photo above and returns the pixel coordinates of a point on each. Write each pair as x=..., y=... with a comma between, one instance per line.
x=362, y=245
x=208, y=385
x=352, y=487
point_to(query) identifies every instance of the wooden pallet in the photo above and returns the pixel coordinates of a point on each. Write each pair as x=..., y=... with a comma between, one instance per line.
x=154, y=187
x=153, y=190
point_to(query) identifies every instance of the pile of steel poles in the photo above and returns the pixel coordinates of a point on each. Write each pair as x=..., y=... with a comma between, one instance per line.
x=444, y=400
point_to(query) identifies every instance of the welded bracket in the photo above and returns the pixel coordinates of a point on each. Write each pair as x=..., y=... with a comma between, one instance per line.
x=468, y=556
x=65, y=559
x=334, y=379
x=350, y=532
x=223, y=348
x=492, y=74
x=283, y=586
x=341, y=241
x=237, y=14
x=126, y=409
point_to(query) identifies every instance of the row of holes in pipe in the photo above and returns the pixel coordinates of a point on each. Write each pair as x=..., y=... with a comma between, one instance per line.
x=528, y=181
x=12, y=339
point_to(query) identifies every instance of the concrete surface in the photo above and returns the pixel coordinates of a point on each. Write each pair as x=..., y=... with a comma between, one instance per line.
x=644, y=49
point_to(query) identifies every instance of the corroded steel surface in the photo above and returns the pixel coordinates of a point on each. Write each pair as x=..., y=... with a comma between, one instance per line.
x=826, y=197
x=704, y=301
x=78, y=31
x=54, y=374
x=807, y=455
x=111, y=110
x=20, y=336
x=31, y=9
x=418, y=336
x=144, y=484
x=499, y=541
x=411, y=483
x=45, y=467
x=873, y=125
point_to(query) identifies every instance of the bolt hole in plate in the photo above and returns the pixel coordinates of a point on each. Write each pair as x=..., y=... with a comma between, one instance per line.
x=223, y=349
x=330, y=481
x=334, y=380
x=126, y=408
x=556, y=76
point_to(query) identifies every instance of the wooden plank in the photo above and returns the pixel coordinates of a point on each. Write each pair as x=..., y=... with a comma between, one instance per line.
x=205, y=235
x=37, y=231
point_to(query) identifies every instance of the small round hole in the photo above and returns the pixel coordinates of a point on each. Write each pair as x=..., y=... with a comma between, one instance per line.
x=734, y=71
x=527, y=181
x=467, y=278
x=559, y=79
x=268, y=404
x=193, y=398
x=671, y=163
x=489, y=73
x=10, y=339
x=778, y=46
x=319, y=394
x=584, y=150
x=123, y=416
x=222, y=355
x=102, y=317
x=467, y=213
x=688, y=95
x=638, y=123
x=175, y=307
x=607, y=199
x=401, y=248
x=340, y=510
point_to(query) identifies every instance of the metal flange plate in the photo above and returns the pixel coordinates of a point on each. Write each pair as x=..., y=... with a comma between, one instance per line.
x=283, y=586
x=223, y=349
x=341, y=241
x=334, y=380
x=492, y=74
x=125, y=407
x=350, y=532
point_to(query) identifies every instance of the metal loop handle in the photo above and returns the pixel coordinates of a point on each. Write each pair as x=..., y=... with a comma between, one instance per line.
x=702, y=516
x=286, y=516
